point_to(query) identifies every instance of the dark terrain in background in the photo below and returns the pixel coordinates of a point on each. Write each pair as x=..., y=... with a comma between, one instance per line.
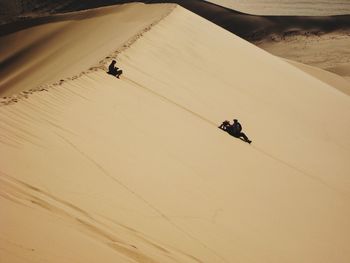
x=16, y=15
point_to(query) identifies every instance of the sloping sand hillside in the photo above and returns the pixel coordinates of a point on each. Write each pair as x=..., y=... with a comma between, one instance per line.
x=98, y=169
x=332, y=79
x=311, y=32
x=316, y=33
x=61, y=46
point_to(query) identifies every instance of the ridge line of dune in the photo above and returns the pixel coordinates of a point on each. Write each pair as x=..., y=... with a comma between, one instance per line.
x=131, y=41
x=101, y=65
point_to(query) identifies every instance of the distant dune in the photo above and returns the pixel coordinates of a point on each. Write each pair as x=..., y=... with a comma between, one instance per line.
x=288, y=7
x=244, y=25
x=99, y=169
x=320, y=41
x=327, y=51
x=252, y=27
x=336, y=80
x=294, y=37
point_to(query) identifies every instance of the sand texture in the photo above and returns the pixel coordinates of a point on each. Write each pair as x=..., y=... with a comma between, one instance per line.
x=65, y=45
x=302, y=31
x=99, y=169
x=288, y=7
x=329, y=51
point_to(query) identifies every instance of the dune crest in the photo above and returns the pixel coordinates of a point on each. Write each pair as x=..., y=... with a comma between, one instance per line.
x=98, y=169
x=280, y=27
x=53, y=50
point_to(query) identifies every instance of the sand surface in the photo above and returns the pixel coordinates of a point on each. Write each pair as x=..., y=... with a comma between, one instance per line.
x=329, y=51
x=97, y=169
x=339, y=82
x=302, y=31
x=288, y=7
x=58, y=49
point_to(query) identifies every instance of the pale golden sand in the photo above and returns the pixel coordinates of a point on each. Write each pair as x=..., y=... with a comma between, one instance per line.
x=319, y=40
x=97, y=169
x=334, y=80
x=57, y=50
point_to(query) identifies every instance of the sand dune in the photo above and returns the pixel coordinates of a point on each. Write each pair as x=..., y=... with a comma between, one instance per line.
x=334, y=80
x=288, y=7
x=342, y=70
x=329, y=51
x=293, y=29
x=319, y=40
x=247, y=26
x=257, y=27
x=97, y=169
x=53, y=50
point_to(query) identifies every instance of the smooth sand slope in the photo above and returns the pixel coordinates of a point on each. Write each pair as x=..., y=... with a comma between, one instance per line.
x=311, y=32
x=316, y=33
x=332, y=79
x=319, y=39
x=65, y=45
x=98, y=169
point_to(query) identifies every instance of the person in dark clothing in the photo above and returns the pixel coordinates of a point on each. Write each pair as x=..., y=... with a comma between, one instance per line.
x=113, y=70
x=235, y=130
x=225, y=125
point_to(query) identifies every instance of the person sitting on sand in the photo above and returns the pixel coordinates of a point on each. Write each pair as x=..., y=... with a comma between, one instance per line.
x=113, y=70
x=235, y=130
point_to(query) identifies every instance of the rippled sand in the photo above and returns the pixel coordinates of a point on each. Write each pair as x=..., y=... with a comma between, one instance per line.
x=99, y=169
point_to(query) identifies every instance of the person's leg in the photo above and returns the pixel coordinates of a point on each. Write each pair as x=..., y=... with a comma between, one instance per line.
x=119, y=72
x=245, y=137
x=111, y=73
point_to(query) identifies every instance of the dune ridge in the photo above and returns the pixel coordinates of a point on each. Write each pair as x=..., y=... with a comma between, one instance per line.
x=278, y=33
x=136, y=170
x=251, y=27
x=48, y=55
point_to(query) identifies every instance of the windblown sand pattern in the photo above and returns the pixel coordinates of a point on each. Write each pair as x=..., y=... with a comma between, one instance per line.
x=99, y=169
